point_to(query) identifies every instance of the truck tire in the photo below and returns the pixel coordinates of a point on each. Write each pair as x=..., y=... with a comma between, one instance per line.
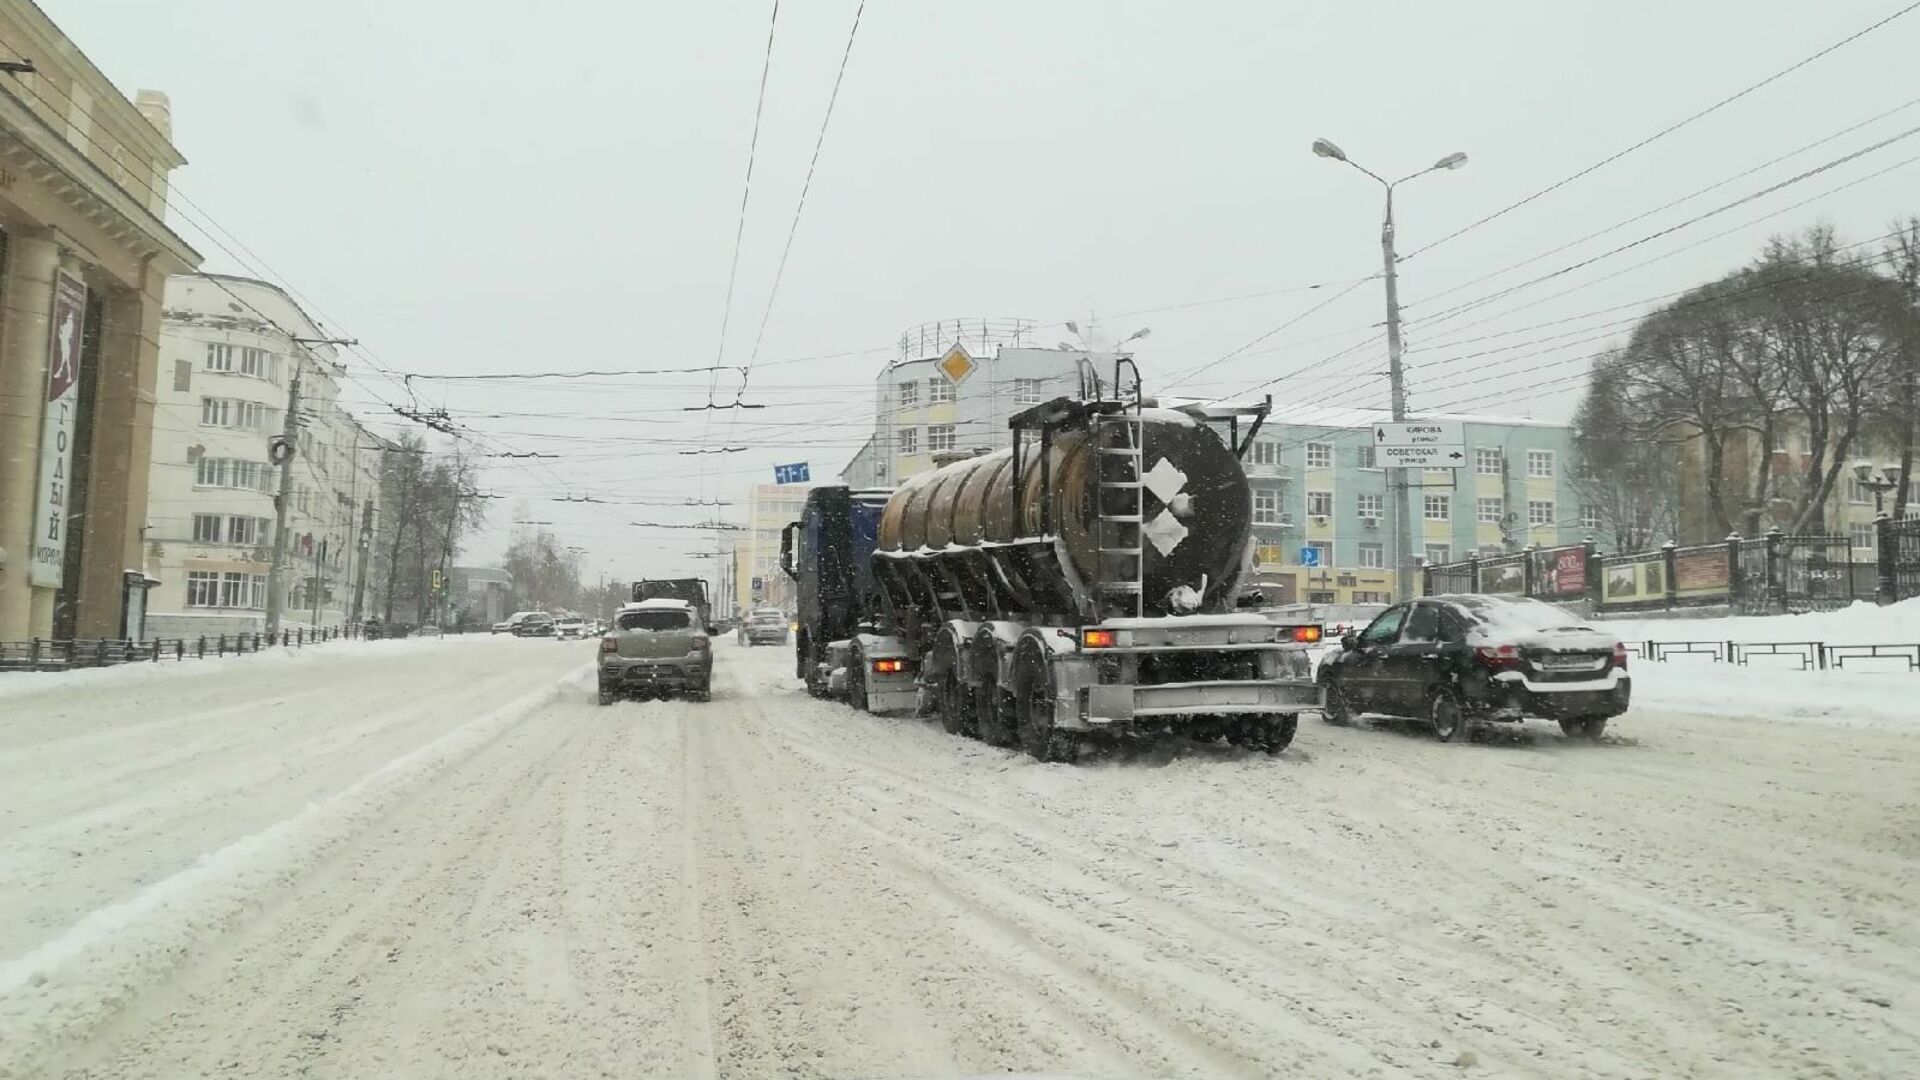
x=992, y=710
x=953, y=698
x=1033, y=697
x=857, y=680
x=606, y=696
x=1279, y=733
x=1338, y=711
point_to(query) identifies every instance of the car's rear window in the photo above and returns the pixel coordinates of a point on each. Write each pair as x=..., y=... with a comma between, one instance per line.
x=654, y=620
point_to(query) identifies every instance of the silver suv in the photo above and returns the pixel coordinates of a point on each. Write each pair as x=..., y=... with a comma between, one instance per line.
x=656, y=648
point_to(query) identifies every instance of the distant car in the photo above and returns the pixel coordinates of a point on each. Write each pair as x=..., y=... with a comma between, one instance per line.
x=1457, y=661
x=656, y=648
x=763, y=626
x=511, y=622
x=570, y=628
x=539, y=624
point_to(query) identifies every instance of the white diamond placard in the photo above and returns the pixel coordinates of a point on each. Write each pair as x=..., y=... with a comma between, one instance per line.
x=1165, y=531
x=1165, y=480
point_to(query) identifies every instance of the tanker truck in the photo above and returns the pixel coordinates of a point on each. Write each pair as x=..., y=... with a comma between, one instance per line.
x=1076, y=587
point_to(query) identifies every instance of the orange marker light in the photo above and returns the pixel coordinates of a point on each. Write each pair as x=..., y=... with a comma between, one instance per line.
x=1306, y=633
x=889, y=667
x=1097, y=639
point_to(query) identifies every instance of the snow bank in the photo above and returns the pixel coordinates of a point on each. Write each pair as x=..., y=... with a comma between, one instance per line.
x=1876, y=693
x=102, y=961
x=15, y=684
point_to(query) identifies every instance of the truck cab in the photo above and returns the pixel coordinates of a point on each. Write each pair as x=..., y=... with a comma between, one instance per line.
x=828, y=554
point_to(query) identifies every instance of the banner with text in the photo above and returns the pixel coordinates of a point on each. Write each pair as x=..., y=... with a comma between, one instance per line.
x=48, y=551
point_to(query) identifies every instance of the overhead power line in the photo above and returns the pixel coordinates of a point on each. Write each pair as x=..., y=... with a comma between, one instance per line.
x=1664, y=132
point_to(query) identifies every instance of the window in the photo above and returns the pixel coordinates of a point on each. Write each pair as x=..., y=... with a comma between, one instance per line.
x=1368, y=457
x=1368, y=596
x=910, y=393
x=1373, y=556
x=232, y=473
x=1487, y=461
x=1265, y=452
x=1438, y=507
x=1319, y=455
x=1589, y=517
x=1857, y=493
x=1439, y=554
x=182, y=376
x=939, y=437
x=1860, y=535
x=1325, y=549
x=1423, y=624
x=213, y=472
x=1371, y=507
x=1266, y=507
x=1026, y=391
x=300, y=499
x=260, y=364
x=1490, y=511
x=206, y=528
x=1539, y=463
x=655, y=619
x=939, y=391
x=1319, y=504
x=219, y=357
x=203, y=588
x=1320, y=598
x=242, y=591
x=909, y=440
x=214, y=411
x=1385, y=628
x=251, y=415
x=1539, y=512
x=247, y=530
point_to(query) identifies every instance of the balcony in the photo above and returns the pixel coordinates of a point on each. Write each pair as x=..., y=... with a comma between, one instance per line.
x=1270, y=471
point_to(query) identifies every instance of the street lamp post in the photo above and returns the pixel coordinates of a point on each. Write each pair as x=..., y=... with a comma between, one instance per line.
x=1888, y=480
x=1401, y=499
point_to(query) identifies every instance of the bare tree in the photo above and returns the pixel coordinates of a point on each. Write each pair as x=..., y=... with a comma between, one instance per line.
x=1898, y=417
x=1627, y=477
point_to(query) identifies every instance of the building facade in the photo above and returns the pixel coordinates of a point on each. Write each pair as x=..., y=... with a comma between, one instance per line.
x=1316, y=486
x=757, y=578
x=481, y=595
x=1849, y=509
x=953, y=389
x=84, y=255
x=227, y=363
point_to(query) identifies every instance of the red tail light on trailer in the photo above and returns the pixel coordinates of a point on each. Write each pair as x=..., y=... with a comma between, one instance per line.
x=889, y=667
x=1306, y=634
x=1096, y=639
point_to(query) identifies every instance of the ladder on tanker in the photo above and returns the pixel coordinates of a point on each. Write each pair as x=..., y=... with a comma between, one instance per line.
x=1120, y=513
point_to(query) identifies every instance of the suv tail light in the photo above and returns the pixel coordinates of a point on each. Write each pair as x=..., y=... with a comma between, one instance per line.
x=1620, y=655
x=1498, y=657
x=607, y=645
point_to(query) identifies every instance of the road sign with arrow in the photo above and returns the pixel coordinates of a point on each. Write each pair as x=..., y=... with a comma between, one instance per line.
x=1420, y=444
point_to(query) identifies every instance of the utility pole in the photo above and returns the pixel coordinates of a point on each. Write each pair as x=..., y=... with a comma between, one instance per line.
x=1399, y=491
x=285, y=447
x=366, y=556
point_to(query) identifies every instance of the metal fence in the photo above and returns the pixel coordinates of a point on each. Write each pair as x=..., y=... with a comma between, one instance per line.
x=48, y=654
x=1761, y=575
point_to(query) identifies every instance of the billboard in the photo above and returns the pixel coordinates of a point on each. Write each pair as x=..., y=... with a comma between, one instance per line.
x=1702, y=572
x=1635, y=581
x=48, y=552
x=1507, y=578
x=1560, y=572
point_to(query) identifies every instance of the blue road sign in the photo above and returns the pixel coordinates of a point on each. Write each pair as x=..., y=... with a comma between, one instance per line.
x=795, y=473
x=1309, y=556
x=757, y=586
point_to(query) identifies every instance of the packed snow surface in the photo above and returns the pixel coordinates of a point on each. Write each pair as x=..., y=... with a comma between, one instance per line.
x=437, y=859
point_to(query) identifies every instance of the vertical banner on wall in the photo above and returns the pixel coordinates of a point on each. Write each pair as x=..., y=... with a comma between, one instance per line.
x=49, y=548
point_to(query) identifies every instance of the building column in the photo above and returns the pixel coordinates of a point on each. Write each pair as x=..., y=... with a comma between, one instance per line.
x=33, y=258
x=123, y=419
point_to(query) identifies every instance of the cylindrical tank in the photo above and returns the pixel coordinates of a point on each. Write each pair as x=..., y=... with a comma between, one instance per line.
x=1197, y=507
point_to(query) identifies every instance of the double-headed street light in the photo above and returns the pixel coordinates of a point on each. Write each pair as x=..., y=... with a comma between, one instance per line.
x=1403, y=518
x=1888, y=479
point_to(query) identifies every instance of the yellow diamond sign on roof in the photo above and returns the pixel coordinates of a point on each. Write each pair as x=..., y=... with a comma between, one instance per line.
x=956, y=365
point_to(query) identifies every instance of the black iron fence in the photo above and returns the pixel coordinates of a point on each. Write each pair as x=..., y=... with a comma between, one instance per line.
x=1778, y=572
x=48, y=654
x=1803, y=655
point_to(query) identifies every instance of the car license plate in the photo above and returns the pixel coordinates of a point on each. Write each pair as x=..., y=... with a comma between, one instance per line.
x=1566, y=663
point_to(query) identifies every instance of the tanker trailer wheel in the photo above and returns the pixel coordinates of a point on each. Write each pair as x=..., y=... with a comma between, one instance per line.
x=992, y=709
x=1033, y=698
x=952, y=697
x=1278, y=732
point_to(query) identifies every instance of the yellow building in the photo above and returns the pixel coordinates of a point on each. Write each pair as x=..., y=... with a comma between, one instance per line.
x=85, y=252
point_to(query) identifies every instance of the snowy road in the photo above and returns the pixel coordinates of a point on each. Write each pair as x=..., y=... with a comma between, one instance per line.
x=442, y=859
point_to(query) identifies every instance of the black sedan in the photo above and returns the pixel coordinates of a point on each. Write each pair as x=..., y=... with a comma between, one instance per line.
x=1456, y=661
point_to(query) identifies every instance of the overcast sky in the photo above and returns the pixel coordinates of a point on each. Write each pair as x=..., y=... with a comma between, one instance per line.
x=494, y=187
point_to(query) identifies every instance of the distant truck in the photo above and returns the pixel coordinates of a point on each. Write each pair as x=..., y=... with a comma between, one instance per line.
x=691, y=590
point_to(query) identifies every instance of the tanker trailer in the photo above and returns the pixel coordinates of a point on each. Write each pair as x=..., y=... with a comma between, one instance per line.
x=1079, y=586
